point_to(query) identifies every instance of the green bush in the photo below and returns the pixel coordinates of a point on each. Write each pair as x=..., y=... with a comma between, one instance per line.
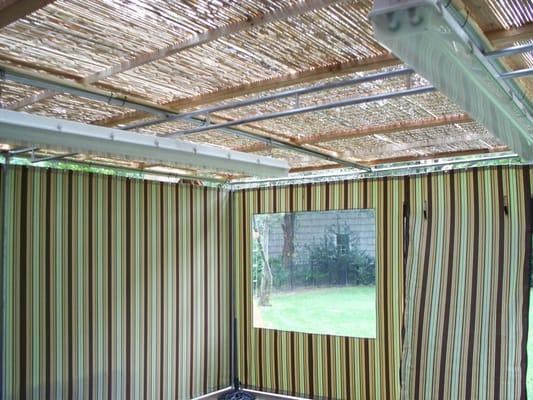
x=330, y=266
x=321, y=263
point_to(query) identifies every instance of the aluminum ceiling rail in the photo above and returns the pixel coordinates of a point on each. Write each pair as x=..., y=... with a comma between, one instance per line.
x=443, y=45
x=276, y=96
x=52, y=158
x=377, y=171
x=48, y=82
x=510, y=51
x=62, y=86
x=22, y=151
x=24, y=129
x=517, y=73
x=122, y=170
x=290, y=146
x=319, y=107
x=489, y=60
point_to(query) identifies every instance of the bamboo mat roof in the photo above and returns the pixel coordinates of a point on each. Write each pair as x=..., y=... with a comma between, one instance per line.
x=11, y=92
x=296, y=44
x=72, y=108
x=84, y=36
x=190, y=55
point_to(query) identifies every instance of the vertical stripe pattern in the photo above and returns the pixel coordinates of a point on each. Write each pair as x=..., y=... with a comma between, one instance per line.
x=322, y=366
x=115, y=288
x=119, y=288
x=465, y=302
x=450, y=311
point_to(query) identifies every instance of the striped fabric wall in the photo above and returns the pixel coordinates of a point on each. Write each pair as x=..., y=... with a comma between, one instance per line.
x=321, y=366
x=114, y=288
x=465, y=278
x=467, y=285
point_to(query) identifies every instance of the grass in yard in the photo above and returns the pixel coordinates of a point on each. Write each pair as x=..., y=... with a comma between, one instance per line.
x=343, y=311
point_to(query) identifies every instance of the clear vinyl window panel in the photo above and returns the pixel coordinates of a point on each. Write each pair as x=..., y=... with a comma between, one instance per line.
x=315, y=272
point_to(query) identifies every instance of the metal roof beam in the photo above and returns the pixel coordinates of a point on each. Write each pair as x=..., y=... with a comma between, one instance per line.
x=28, y=129
x=61, y=85
x=276, y=96
x=303, y=110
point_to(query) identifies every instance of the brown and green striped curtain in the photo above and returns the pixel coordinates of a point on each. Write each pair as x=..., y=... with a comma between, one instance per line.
x=114, y=288
x=467, y=285
x=118, y=288
x=465, y=327
x=322, y=366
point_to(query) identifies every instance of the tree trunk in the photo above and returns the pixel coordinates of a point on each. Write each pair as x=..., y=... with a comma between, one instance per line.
x=346, y=273
x=265, y=289
x=288, y=245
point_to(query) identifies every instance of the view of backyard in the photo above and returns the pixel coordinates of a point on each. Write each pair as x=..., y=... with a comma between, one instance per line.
x=315, y=272
x=335, y=311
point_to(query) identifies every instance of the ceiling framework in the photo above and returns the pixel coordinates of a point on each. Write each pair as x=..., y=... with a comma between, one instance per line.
x=261, y=86
x=204, y=58
x=460, y=64
x=402, y=159
x=75, y=137
x=396, y=169
x=371, y=130
x=57, y=85
x=296, y=93
x=502, y=38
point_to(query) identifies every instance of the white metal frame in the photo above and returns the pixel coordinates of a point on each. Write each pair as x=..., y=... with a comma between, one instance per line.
x=498, y=103
x=34, y=130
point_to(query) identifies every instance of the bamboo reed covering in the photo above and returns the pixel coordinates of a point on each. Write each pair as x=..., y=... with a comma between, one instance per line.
x=189, y=55
x=11, y=92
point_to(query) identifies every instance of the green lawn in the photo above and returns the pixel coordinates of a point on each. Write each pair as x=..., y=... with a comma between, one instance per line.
x=343, y=311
